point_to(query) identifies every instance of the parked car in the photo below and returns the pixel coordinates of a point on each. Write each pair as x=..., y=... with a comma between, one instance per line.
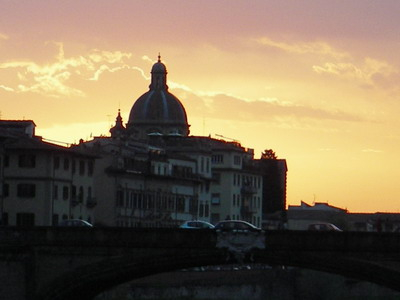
x=75, y=223
x=236, y=226
x=197, y=224
x=323, y=227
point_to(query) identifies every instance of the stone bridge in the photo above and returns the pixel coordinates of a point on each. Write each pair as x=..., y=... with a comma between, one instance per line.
x=48, y=263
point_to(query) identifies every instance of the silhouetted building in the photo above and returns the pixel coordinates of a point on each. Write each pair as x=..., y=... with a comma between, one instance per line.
x=214, y=179
x=42, y=183
x=148, y=173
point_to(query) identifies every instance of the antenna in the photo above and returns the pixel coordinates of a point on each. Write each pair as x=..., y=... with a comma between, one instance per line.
x=204, y=124
x=109, y=120
x=224, y=137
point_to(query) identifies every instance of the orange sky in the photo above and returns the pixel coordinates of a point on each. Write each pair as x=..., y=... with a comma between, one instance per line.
x=316, y=81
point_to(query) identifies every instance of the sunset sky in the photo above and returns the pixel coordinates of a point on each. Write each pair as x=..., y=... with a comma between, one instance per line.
x=316, y=81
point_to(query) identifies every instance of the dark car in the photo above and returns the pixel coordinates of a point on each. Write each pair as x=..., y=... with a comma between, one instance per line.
x=236, y=226
x=196, y=224
x=75, y=223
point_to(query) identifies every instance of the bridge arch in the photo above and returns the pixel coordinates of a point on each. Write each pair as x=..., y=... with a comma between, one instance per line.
x=332, y=263
x=88, y=281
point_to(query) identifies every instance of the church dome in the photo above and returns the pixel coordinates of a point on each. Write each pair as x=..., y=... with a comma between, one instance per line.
x=157, y=110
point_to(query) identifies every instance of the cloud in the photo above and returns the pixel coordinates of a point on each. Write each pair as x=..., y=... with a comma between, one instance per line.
x=6, y=88
x=320, y=48
x=55, y=79
x=365, y=72
x=372, y=151
x=368, y=73
x=98, y=56
x=148, y=59
x=48, y=80
x=104, y=68
x=371, y=73
x=3, y=36
x=229, y=107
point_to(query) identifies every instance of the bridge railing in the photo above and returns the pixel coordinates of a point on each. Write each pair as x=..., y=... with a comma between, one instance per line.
x=108, y=236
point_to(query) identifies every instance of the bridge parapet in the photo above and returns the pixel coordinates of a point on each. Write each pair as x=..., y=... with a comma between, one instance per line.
x=108, y=236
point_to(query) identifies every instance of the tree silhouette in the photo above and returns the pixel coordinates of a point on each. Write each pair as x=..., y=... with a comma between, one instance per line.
x=268, y=154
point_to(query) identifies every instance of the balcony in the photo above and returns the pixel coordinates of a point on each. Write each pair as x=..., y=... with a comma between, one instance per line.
x=75, y=200
x=248, y=189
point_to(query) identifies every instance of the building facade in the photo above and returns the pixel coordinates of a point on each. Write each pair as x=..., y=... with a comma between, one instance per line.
x=42, y=183
x=148, y=173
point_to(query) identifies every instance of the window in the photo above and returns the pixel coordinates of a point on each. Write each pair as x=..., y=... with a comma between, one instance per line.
x=55, y=192
x=120, y=198
x=237, y=160
x=55, y=220
x=66, y=163
x=73, y=191
x=65, y=192
x=81, y=167
x=89, y=192
x=80, y=195
x=6, y=190
x=56, y=162
x=6, y=161
x=26, y=161
x=25, y=219
x=217, y=159
x=90, y=168
x=216, y=198
x=180, y=204
x=26, y=190
x=4, y=219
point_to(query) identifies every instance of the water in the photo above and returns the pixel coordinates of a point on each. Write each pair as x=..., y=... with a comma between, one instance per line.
x=248, y=282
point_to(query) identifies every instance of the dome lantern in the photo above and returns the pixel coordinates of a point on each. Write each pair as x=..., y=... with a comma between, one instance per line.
x=158, y=76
